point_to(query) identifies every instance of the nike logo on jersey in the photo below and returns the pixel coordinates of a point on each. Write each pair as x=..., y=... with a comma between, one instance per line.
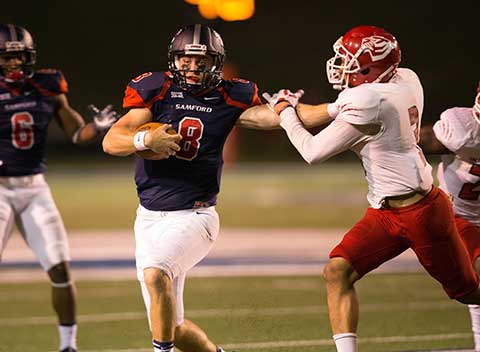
x=211, y=98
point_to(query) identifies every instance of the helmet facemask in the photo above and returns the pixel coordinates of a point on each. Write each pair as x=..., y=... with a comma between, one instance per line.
x=16, y=73
x=210, y=71
x=341, y=66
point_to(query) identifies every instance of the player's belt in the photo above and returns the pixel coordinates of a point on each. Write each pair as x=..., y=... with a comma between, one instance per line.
x=403, y=200
x=22, y=181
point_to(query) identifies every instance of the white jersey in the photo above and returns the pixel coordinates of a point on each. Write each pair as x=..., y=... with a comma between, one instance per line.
x=459, y=176
x=393, y=163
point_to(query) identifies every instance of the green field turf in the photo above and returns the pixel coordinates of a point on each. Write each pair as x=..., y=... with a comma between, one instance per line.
x=265, y=314
x=264, y=195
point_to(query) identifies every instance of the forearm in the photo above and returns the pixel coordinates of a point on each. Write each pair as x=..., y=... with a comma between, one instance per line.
x=259, y=117
x=85, y=134
x=429, y=142
x=316, y=115
x=119, y=141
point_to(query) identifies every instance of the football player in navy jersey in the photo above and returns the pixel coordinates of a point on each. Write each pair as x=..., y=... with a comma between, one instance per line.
x=176, y=222
x=28, y=100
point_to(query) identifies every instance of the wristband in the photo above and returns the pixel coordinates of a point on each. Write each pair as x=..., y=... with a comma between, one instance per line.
x=76, y=135
x=276, y=108
x=139, y=140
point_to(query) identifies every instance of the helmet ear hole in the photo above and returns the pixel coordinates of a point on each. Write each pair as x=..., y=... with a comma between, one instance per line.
x=365, y=71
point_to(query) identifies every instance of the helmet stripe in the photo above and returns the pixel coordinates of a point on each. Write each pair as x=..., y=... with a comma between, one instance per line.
x=196, y=34
x=13, y=32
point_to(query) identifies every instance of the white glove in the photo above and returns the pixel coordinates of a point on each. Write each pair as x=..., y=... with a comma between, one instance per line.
x=103, y=119
x=281, y=96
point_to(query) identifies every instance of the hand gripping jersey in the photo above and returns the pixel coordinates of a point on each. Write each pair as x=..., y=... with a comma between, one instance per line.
x=393, y=163
x=191, y=178
x=25, y=113
x=459, y=176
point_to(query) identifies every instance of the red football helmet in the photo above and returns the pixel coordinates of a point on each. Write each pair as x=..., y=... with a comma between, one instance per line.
x=476, y=107
x=365, y=54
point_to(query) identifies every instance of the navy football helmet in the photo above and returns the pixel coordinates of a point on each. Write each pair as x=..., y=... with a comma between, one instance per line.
x=200, y=40
x=16, y=40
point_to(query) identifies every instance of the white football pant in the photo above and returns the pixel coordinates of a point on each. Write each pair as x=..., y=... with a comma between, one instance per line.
x=27, y=201
x=173, y=241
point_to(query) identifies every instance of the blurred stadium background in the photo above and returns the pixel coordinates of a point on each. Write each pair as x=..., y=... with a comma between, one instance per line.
x=269, y=195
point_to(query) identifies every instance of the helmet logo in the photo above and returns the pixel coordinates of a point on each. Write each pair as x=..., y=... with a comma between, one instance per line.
x=378, y=47
x=14, y=46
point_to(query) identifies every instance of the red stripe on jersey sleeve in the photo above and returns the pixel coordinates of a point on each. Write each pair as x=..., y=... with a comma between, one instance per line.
x=43, y=91
x=256, y=99
x=132, y=99
x=232, y=102
x=164, y=90
x=63, y=85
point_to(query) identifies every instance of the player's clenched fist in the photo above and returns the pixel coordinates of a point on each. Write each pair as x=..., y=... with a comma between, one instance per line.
x=160, y=141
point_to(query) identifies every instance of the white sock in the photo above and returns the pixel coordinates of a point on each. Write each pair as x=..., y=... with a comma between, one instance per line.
x=346, y=342
x=163, y=346
x=475, y=317
x=68, y=336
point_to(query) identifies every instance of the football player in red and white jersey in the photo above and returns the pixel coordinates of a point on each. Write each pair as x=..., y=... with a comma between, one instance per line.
x=378, y=115
x=457, y=137
x=29, y=100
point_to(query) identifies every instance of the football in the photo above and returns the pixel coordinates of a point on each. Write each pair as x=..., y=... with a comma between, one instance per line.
x=151, y=126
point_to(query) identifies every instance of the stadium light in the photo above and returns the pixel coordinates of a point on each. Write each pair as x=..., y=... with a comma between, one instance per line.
x=227, y=10
x=207, y=9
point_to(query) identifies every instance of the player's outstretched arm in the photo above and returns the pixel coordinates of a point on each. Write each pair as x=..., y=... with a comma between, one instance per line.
x=429, y=142
x=265, y=116
x=259, y=117
x=74, y=125
x=316, y=115
x=120, y=139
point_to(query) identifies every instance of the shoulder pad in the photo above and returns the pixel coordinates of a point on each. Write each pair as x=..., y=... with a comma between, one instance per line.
x=450, y=130
x=143, y=89
x=358, y=105
x=49, y=82
x=241, y=93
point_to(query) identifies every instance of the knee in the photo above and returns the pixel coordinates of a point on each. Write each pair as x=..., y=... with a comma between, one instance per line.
x=472, y=298
x=157, y=278
x=59, y=274
x=338, y=271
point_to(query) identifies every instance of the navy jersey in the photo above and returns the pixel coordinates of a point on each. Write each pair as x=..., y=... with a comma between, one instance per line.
x=191, y=178
x=25, y=113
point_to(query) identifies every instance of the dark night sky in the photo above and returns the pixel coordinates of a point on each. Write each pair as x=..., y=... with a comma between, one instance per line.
x=101, y=45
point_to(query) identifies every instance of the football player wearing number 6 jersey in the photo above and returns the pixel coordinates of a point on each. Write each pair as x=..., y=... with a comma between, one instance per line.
x=457, y=137
x=176, y=223
x=29, y=99
x=378, y=116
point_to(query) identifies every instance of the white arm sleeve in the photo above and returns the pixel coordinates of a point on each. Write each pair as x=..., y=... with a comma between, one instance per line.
x=334, y=139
